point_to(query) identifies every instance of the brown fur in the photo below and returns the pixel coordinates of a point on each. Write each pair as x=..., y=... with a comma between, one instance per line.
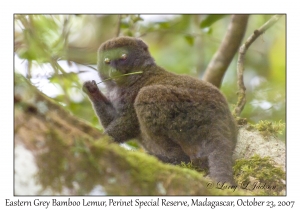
x=177, y=118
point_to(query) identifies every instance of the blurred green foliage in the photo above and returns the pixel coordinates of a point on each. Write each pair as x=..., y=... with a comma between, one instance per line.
x=184, y=44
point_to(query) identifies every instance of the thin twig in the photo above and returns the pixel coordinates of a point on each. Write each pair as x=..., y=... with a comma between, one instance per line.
x=240, y=63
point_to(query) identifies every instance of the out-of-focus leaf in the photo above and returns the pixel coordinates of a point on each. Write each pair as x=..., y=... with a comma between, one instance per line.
x=207, y=30
x=41, y=38
x=277, y=60
x=190, y=39
x=136, y=19
x=210, y=19
x=164, y=25
x=128, y=32
x=124, y=24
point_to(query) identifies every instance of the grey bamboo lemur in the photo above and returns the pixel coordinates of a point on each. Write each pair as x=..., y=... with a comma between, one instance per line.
x=177, y=118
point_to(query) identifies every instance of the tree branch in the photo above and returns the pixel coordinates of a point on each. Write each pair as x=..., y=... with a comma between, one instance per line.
x=229, y=46
x=240, y=64
x=73, y=157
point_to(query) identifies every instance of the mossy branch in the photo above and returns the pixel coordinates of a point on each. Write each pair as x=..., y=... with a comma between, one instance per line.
x=74, y=157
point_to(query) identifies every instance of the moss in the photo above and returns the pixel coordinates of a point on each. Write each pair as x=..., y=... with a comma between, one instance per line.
x=241, y=121
x=259, y=174
x=52, y=163
x=267, y=128
x=191, y=166
x=133, y=144
x=142, y=169
x=146, y=173
x=187, y=165
x=82, y=165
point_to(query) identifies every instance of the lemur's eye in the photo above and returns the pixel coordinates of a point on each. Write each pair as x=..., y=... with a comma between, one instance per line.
x=107, y=60
x=124, y=56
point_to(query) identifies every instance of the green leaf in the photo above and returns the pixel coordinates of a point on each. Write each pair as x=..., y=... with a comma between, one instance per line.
x=210, y=19
x=190, y=39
